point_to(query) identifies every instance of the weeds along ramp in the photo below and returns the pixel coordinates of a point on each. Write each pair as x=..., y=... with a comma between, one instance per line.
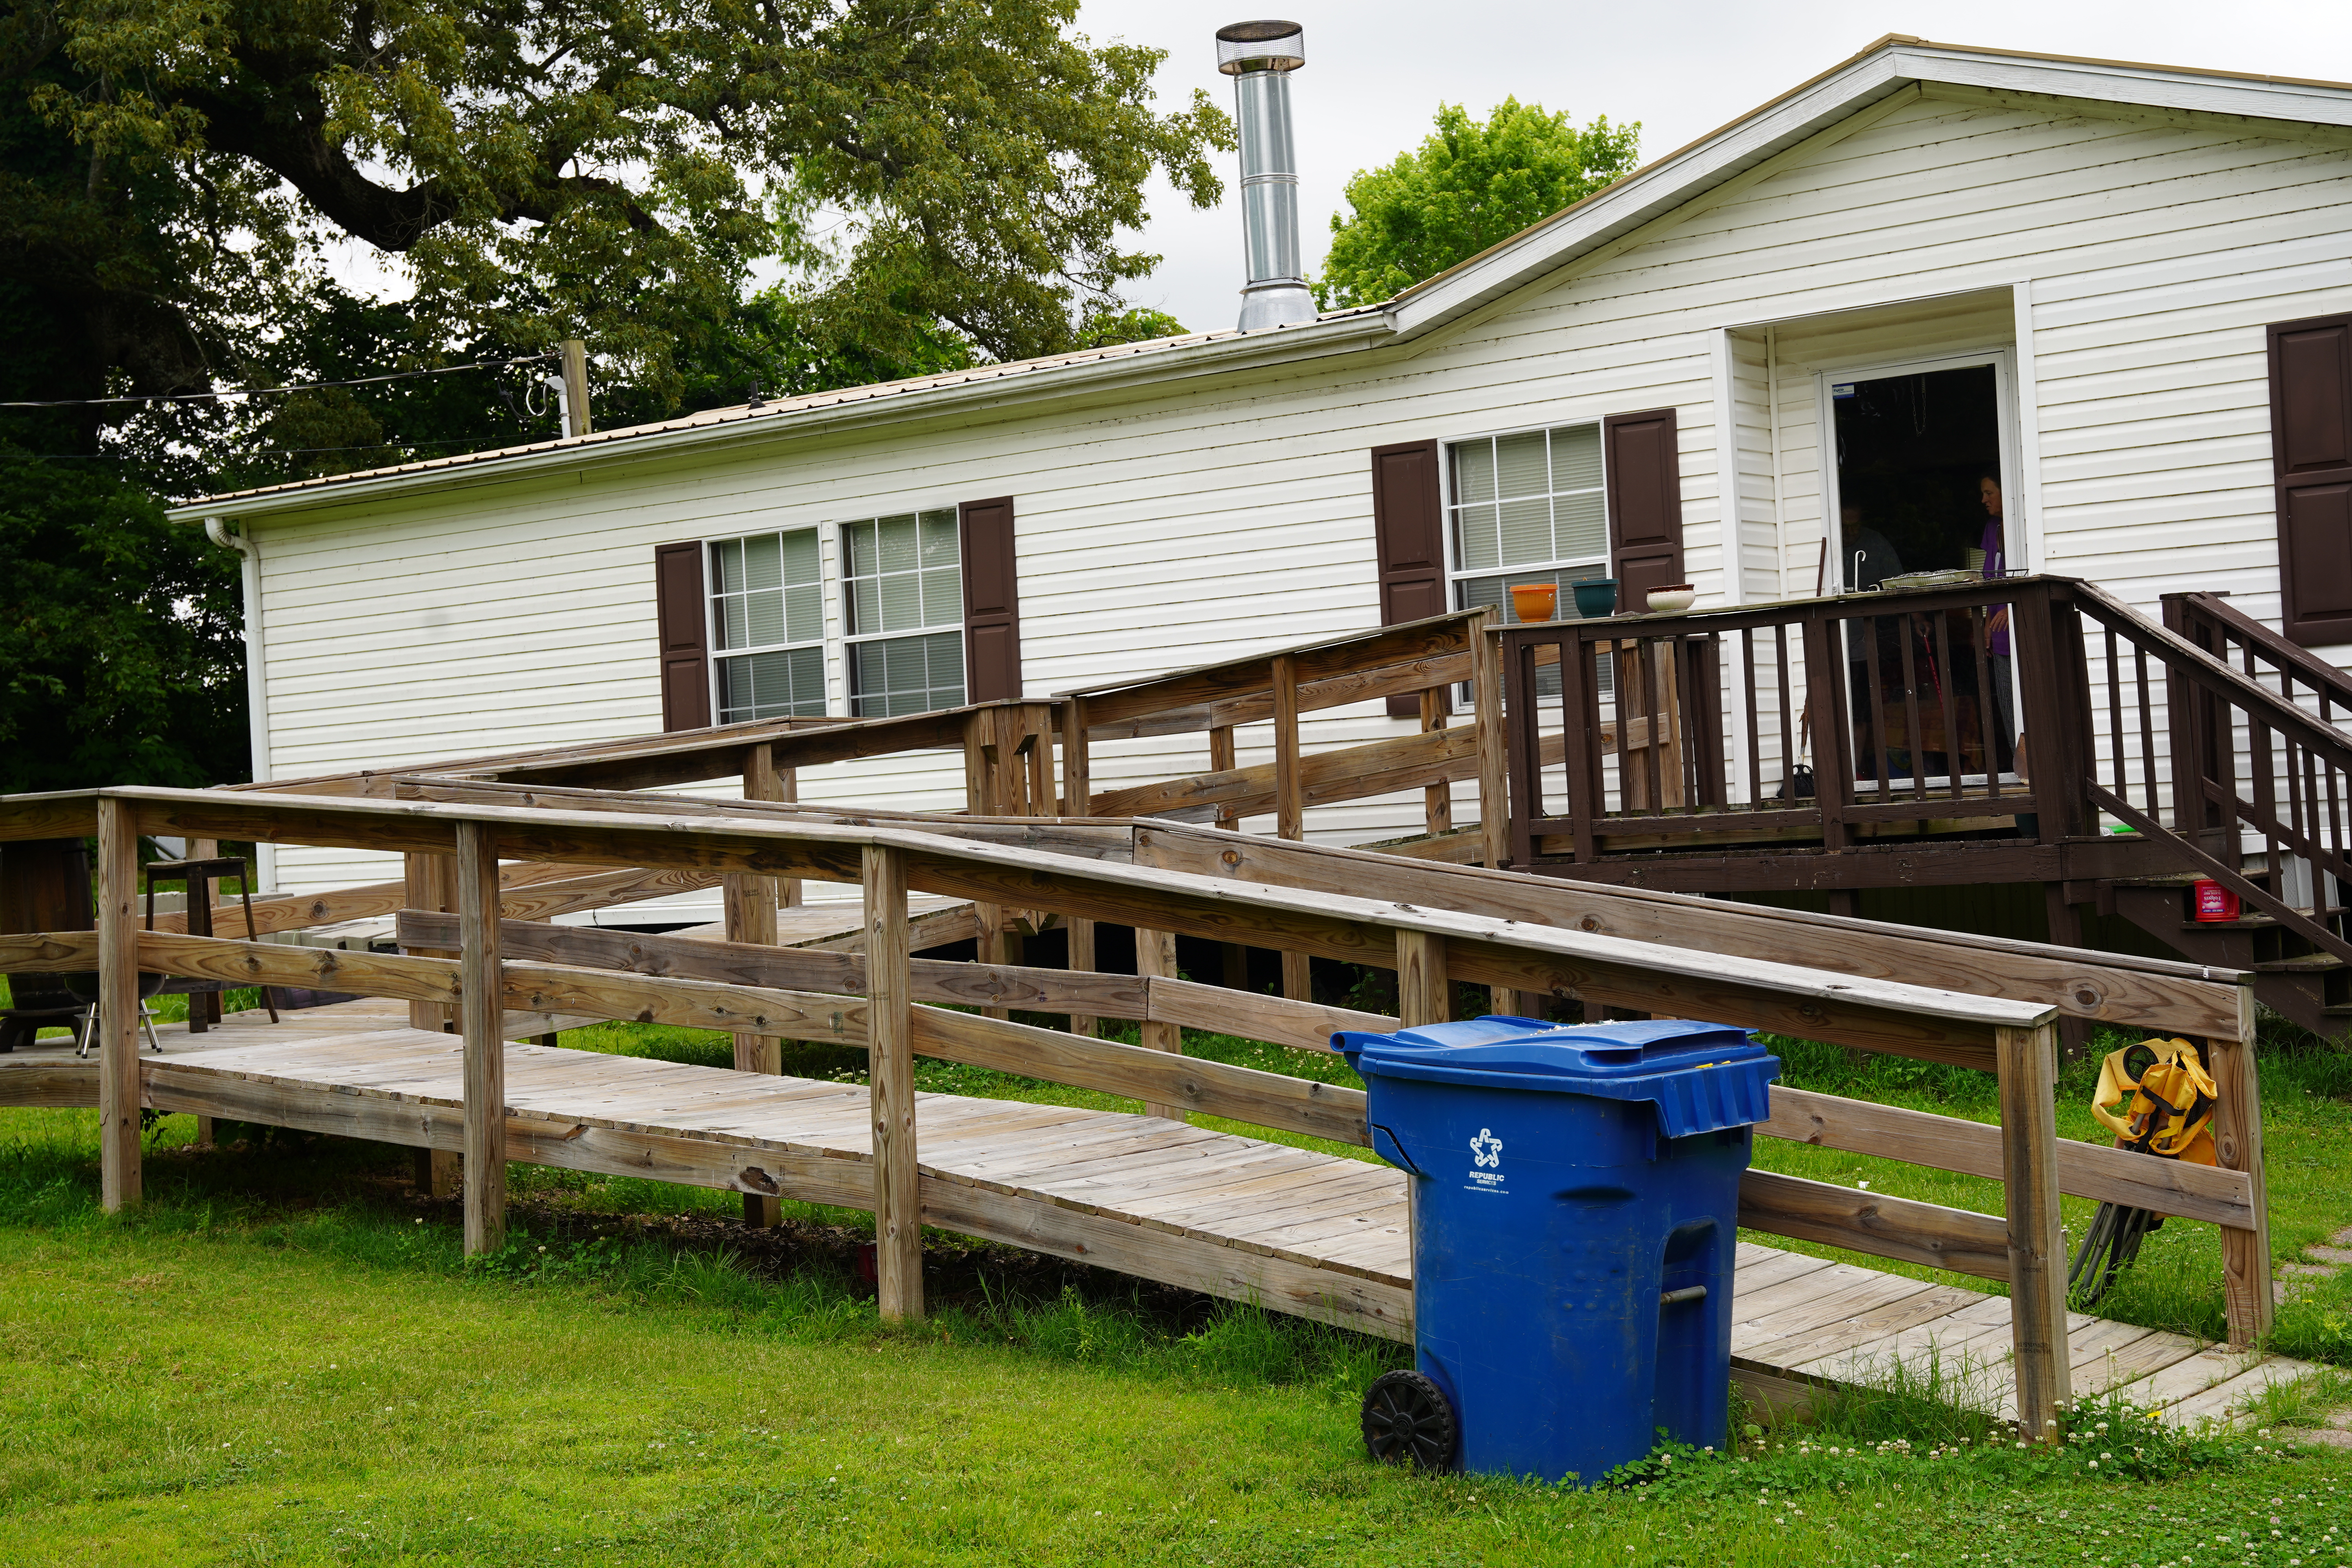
x=1315, y=1234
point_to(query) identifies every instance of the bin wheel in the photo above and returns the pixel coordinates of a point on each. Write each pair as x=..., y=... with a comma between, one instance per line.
x=1408, y=1420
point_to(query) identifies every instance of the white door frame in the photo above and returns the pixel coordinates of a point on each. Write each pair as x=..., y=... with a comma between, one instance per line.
x=2004, y=369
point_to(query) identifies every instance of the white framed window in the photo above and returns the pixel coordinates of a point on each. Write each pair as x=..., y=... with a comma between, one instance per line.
x=767, y=625
x=1526, y=507
x=902, y=587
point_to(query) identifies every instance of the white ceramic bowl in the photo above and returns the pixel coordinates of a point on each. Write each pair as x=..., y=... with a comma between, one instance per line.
x=1669, y=601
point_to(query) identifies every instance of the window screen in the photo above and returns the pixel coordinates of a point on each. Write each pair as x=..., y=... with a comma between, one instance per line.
x=767, y=612
x=1526, y=509
x=904, y=582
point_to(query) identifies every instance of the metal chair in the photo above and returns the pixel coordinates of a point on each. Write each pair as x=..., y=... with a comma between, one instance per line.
x=204, y=996
x=86, y=1022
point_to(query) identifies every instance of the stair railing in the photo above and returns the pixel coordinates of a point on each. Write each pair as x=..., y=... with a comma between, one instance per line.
x=2220, y=628
x=2242, y=770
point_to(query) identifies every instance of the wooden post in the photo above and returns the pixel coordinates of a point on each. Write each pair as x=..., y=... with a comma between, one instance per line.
x=750, y=911
x=2042, y=710
x=1289, y=801
x=1437, y=799
x=1232, y=956
x=2238, y=1146
x=431, y=887
x=204, y=1007
x=431, y=883
x=1155, y=958
x=117, y=1005
x=890, y=1027
x=983, y=759
x=1826, y=699
x=482, y=1014
x=784, y=785
x=1493, y=780
x=1221, y=759
x=2066, y=931
x=1021, y=792
x=1424, y=993
x=2028, y=1060
x=1077, y=791
x=1037, y=745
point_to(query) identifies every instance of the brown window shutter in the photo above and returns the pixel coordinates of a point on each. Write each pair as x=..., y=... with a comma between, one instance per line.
x=1646, y=503
x=1409, y=534
x=992, y=601
x=685, y=654
x=2311, y=459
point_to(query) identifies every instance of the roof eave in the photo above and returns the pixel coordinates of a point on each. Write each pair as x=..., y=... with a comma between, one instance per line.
x=1885, y=68
x=1311, y=339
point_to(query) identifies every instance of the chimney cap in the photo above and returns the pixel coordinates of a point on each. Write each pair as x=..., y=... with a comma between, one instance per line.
x=1247, y=47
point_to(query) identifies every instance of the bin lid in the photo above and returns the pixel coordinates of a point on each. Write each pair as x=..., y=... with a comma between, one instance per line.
x=1700, y=1076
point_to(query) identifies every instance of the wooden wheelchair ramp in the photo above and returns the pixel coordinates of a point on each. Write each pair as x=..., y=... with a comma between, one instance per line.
x=1310, y=1234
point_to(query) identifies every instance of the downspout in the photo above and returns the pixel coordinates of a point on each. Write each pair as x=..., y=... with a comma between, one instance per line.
x=256, y=688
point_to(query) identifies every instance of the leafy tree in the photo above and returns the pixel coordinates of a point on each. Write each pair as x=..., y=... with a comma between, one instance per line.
x=1468, y=186
x=119, y=654
x=1106, y=327
x=605, y=169
x=944, y=181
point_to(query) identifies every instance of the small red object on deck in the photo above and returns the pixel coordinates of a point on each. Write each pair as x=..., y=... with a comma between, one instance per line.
x=2215, y=902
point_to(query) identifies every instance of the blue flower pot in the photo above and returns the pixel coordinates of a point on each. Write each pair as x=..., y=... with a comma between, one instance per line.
x=1596, y=598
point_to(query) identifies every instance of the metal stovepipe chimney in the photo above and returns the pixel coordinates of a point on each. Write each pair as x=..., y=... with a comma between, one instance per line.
x=1260, y=57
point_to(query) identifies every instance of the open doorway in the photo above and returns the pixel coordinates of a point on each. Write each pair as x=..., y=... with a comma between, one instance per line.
x=1912, y=449
x=1919, y=482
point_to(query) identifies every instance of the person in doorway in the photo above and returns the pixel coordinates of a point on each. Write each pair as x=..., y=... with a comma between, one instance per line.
x=1993, y=548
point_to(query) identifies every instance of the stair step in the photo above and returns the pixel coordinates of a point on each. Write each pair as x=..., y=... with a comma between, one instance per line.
x=2256, y=922
x=2310, y=963
x=2184, y=879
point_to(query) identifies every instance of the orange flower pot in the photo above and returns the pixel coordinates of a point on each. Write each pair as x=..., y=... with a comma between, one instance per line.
x=1536, y=601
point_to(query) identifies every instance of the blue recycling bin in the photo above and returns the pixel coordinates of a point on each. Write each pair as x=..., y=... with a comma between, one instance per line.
x=1575, y=1212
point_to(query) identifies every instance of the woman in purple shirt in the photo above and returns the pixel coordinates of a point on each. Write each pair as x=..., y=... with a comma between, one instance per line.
x=1995, y=564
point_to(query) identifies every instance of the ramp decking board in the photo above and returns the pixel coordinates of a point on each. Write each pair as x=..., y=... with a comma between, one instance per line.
x=1302, y=1232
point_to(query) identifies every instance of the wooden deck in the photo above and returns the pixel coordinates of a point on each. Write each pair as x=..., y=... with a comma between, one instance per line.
x=1312, y=1234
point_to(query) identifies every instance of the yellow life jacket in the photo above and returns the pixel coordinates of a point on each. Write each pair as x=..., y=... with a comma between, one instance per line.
x=2156, y=1097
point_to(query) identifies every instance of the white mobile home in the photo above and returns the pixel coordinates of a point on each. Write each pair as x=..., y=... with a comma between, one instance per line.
x=2120, y=296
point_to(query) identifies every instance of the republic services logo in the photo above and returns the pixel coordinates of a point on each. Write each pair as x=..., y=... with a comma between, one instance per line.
x=1486, y=1149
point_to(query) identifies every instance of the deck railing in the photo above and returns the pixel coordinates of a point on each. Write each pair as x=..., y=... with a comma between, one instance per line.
x=2115, y=724
x=1414, y=666
x=1700, y=715
x=1432, y=923
x=2239, y=781
x=1814, y=719
x=2212, y=624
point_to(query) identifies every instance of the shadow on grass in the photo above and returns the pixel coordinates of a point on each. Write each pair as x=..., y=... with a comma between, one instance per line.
x=654, y=1245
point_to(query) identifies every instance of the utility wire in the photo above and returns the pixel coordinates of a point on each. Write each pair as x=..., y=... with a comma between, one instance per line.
x=269, y=390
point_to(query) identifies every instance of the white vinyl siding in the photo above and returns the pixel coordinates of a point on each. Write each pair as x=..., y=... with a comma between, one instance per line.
x=1163, y=524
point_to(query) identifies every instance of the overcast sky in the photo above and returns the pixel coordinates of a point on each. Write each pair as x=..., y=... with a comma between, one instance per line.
x=1376, y=71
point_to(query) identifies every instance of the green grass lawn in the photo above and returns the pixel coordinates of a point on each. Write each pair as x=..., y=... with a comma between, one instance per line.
x=282, y=1358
